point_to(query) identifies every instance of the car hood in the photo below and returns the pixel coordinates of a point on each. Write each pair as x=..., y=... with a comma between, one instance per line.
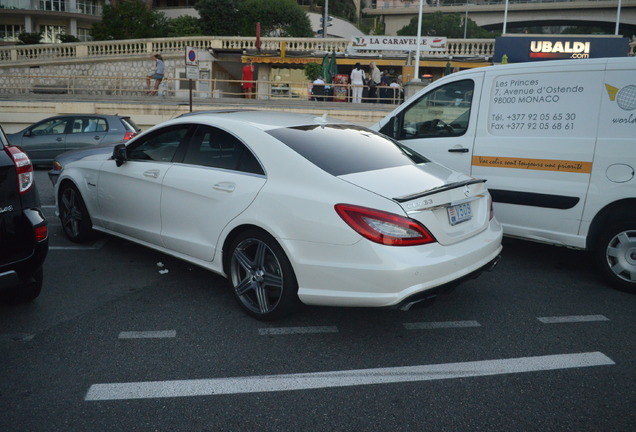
x=427, y=193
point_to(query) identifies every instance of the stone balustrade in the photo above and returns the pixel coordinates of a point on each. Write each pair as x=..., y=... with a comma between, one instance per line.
x=103, y=50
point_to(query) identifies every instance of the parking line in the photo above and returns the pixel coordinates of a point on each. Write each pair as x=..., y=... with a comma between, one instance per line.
x=347, y=378
x=95, y=246
x=148, y=334
x=16, y=337
x=572, y=319
x=297, y=330
x=440, y=325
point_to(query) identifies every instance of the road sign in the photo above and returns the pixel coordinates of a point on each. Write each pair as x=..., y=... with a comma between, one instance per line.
x=192, y=72
x=191, y=57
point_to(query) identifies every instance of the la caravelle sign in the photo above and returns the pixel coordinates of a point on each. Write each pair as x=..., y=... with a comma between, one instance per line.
x=397, y=43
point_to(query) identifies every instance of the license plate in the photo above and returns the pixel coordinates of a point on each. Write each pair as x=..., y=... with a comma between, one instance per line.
x=459, y=213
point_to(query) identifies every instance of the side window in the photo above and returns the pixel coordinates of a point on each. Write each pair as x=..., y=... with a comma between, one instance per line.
x=160, y=145
x=442, y=112
x=50, y=127
x=216, y=148
x=94, y=124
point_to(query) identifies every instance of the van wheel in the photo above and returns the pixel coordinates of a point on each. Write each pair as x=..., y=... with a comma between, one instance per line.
x=262, y=277
x=76, y=221
x=616, y=255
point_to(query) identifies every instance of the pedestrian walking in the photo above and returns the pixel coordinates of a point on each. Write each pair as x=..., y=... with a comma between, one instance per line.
x=357, y=83
x=248, y=80
x=157, y=75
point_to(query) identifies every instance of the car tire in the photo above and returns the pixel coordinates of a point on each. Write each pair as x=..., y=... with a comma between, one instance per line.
x=616, y=255
x=76, y=222
x=262, y=278
x=28, y=289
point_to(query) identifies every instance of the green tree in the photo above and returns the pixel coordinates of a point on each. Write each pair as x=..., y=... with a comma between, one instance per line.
x=448, y=25
x=312, y=70
x=184, y=26
x=281, y=18
x=219, y=17
x=30, y=38
x=129, y=19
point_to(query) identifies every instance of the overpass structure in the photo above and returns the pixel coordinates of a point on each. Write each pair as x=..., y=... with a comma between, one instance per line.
x=489, y=14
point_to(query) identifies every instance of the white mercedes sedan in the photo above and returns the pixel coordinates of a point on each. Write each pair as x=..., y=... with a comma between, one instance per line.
x=290, y=208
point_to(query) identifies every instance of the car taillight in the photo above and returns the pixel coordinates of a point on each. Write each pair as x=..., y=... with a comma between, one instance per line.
x=23, y=167
x=129, y=135
x=41, y=233
x=384, y=228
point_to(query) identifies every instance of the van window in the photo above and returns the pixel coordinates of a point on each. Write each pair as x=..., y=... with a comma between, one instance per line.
x=442, y=112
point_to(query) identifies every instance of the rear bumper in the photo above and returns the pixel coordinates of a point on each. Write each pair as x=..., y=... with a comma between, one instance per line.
x=22, y=268
x=424, y=296
x=372, y=275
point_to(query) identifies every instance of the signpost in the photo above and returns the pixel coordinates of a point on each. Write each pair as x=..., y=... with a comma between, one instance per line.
x=192, y=68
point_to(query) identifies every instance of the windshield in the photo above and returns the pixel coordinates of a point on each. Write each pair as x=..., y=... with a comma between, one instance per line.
x=346, y=149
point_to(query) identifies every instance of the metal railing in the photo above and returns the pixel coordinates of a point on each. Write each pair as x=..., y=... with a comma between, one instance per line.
x=179, y=88
x=414, y=4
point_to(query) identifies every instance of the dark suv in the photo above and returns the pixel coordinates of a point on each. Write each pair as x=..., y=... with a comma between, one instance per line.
x=23, y=230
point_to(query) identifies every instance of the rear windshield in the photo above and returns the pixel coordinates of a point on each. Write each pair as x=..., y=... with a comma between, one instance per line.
x=129, y=124
x=346, y=149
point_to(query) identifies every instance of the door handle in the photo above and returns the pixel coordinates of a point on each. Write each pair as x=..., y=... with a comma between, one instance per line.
x=59, y=139
x=152, y=173
x=225, y=186
x=458, y=150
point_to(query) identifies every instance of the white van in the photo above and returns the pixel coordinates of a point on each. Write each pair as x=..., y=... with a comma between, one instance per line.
x=556, y=141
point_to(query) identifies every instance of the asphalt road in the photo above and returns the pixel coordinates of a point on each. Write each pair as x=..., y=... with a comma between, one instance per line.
x=116, y=343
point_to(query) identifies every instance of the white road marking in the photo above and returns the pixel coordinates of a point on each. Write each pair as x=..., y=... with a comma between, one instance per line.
x=440, y=325
x=297, y=330
x=347, y=378
x=16, y=337
x=95, y=246
x=572, y=319
x=148, y=334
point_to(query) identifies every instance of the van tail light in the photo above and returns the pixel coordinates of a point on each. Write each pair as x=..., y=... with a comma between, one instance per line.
x=384, y=228
x=24, y=168
x=129, y=135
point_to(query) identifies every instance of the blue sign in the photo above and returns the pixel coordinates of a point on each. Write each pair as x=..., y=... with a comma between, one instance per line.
x=537, y=48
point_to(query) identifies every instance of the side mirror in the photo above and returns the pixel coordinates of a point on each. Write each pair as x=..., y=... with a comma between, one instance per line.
x=28, y=133
x=119, y=154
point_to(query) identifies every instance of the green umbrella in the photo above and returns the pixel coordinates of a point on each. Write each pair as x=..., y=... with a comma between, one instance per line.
x=325, y=69
x=333, y=67
x=448, y=69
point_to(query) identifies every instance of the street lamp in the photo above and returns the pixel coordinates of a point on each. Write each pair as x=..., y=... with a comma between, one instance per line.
x=618, y=17
x=505, y=18
x=466, y=19
x=416, y=78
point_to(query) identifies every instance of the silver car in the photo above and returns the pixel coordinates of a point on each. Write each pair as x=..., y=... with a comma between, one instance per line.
x=46, y=139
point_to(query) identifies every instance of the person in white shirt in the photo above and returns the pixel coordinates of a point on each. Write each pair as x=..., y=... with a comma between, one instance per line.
x=318, y=89
x=357, y=83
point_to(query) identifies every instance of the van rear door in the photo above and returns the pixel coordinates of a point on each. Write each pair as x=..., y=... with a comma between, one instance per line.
x=440, y=124
x=535, y=144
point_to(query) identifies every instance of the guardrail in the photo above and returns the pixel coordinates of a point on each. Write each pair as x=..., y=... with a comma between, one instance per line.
x=179, y=88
